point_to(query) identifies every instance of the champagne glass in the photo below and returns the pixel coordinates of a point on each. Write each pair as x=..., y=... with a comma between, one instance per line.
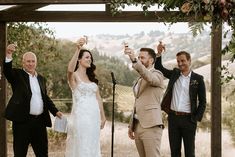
x=86, y=38
x=126, y=45
x=83, y=40
x=161, y=47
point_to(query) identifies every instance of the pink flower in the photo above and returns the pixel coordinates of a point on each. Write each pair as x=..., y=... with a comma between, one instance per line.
x=186, y=7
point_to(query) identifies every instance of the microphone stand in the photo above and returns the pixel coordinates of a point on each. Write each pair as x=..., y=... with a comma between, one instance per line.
x=114, y=83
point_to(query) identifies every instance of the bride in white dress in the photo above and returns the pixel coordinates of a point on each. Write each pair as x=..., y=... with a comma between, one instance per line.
x=87, y=115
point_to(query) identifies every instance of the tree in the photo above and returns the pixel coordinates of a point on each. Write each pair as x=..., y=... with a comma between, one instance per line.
x=32, y=37
x=37, y=38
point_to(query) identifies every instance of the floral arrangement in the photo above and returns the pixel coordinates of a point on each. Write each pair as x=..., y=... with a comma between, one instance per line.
x=194, y=83
x=222, y=9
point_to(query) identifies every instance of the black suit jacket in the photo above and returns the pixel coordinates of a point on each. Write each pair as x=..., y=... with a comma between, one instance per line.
x=18, y=106
x=197, y=91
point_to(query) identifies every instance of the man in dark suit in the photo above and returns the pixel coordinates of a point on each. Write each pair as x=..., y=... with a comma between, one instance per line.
x=184, y=101
x=29, y=106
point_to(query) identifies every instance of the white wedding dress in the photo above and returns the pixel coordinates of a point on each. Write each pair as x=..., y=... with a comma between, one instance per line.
x=83, y=136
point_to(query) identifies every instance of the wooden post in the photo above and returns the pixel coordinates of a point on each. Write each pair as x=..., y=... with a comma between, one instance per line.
x=3, y=132
x=216, y=42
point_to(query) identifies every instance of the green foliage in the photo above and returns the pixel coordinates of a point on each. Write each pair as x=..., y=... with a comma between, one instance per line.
x=106, y=65
x=33, y=37
x=55, y=137
x=118, y=115
x=57, y=80
x=227, y=76
x=116, y=5
x=196, y=28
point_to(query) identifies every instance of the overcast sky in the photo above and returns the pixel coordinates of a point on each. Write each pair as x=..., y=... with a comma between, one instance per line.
x=73, y=29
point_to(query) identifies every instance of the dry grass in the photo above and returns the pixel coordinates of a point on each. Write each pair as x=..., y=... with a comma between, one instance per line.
x=125, y=98
x=124, y=147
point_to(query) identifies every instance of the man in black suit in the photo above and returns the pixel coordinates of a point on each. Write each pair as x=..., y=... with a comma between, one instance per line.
x=29, y=106
x=184, y=101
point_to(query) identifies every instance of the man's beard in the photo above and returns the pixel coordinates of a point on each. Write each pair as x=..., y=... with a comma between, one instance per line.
x=147, y=64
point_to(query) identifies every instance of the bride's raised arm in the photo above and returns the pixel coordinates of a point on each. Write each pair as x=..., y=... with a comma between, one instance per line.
x=72, y=64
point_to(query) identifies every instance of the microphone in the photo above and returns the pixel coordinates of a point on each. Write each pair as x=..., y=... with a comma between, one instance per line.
x=113, y=78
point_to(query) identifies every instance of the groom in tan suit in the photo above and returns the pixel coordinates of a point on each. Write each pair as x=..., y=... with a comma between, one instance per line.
x=146, y=123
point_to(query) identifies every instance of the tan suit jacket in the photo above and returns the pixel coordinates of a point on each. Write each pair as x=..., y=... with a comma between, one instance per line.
x=147, y=97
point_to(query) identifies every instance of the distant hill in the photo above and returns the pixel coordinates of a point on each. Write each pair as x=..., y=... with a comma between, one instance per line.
x=206, y=70
x=112, y=45
x=228, y=89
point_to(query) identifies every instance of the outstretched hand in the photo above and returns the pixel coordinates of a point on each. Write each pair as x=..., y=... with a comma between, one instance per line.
x=130, y=52
x=59, y=114
x=160, y=48
x=81, y=42
x=9, y=50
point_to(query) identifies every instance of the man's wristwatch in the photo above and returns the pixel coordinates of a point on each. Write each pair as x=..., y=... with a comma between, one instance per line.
x=134, y=60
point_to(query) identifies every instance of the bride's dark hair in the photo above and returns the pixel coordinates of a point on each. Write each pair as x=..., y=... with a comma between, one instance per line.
x=89, y=71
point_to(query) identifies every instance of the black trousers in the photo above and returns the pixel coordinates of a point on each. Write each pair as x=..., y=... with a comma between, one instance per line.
x=180, y=127
x=31, y=132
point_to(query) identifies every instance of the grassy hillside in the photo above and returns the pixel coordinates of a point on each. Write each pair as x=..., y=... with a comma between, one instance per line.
x=124, y=98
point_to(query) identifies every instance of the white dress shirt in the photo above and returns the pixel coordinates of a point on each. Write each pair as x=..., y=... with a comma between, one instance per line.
x=36, y=102
x=180, y=96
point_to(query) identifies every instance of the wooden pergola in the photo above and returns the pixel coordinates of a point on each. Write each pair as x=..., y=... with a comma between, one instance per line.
x=26, y=11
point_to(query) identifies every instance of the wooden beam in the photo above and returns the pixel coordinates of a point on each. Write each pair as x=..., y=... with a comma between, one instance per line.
x=107, y=8
x=92, y=16
x=216, y=42
x=31, y=7
x=3, y=130
x=11, y=2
